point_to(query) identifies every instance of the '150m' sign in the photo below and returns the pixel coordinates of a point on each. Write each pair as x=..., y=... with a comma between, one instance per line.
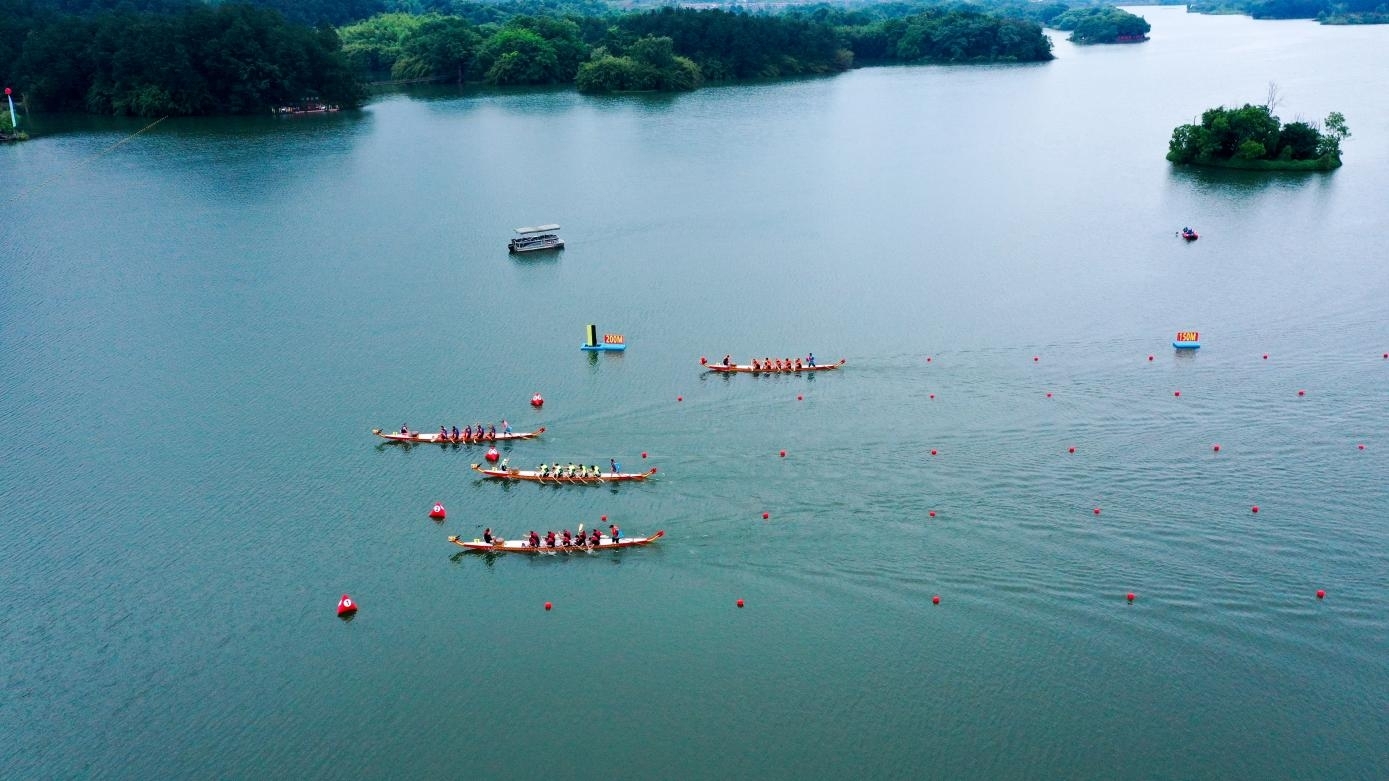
x=1188, y=336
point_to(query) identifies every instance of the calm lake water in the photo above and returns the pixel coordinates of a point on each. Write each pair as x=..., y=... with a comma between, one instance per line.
x=199, y=328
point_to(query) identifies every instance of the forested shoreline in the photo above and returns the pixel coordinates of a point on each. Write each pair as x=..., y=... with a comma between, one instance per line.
x=187, y=57
x=1324, y=11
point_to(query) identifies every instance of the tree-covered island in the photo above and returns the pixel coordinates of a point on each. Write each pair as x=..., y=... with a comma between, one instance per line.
x=188, y=57
x=1252, y=137
x=1102, y=24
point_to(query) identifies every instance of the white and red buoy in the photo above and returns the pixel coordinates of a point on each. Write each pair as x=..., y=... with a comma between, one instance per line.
x=346, y=606
x=492, y=454
x=537, y=401
x=437, y=512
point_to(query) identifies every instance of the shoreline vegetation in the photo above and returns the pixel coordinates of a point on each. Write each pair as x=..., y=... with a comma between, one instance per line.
x=1102, y=25
x=153, y=58
x=1253, y=138
x=1334, y=12
x=8, y=133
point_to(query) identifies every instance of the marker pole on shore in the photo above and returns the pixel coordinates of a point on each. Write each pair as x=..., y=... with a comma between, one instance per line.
x=14, y=121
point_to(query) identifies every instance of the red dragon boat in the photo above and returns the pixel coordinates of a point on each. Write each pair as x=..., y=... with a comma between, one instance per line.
x=534, y=476
x=521, y=546
x=731, y=368
x=422, y=437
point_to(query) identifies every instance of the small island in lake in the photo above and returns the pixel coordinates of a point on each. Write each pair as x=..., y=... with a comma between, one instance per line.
x=1102, y=24
x=1253, y=138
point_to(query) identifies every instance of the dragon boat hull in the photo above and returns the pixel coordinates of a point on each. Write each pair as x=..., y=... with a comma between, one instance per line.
x=534, y=476
x=422, y=438
x=522, y=546
x=747, y=368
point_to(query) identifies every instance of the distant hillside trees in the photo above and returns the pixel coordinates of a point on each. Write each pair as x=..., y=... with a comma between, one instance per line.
x=735, y=46
x=951, y=36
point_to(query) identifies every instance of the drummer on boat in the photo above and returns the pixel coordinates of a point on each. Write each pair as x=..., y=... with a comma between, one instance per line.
x=487, y=535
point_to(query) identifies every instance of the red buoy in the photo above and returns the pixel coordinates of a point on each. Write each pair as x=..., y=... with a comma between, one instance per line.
x=783, y=454
x=1321, y=594
x=935, y=600
x=548, y=605
x=537, y=400
x=1150, y=357
x=1129, y=596
x=1265, y=356
x=1254, y=509
x=933, y=395
x=765, y=516
x=933, y=452
x=800, y=398
x=928, y=359
x=679, y=398
x=740, y=603
x=346, y=606
x=1048, y=394
x=932, y=513
x=604, y=519
x=643, y=454
x=1071, y=449
x=1097, y=511
x=437, y=512
x=703, y=361
x=1176, y=393
x=1035, y=359
x=1216, y=448
x=492, y=454
x=1360, y=447
x=1302, y=393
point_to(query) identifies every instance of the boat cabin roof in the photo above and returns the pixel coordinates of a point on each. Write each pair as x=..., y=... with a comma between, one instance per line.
x=538, y=229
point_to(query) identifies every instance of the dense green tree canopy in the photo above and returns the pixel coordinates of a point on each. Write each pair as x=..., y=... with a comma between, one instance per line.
x=650, y=63
x=951, y=36
x=1102, y=24
x=205, y=56
x=1249, y=134
x=228, y=59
